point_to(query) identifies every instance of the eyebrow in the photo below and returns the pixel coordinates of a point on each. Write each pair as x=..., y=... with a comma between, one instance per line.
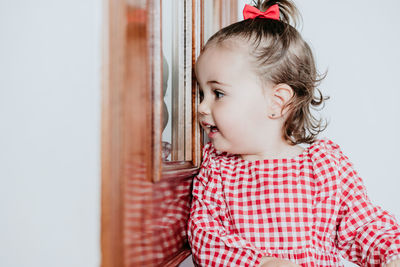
x=217, y=82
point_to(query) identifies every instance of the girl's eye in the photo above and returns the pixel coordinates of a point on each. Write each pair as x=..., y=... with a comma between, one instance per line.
x=201, y=95
x=218, y=94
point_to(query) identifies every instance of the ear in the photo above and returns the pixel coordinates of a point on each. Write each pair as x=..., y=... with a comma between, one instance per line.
x=280, y=95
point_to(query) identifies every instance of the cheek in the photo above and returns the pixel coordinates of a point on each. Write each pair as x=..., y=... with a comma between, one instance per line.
x=227, y=117
x=258, y=108
x=253, y=108
x=239, y=117
x=224, y=115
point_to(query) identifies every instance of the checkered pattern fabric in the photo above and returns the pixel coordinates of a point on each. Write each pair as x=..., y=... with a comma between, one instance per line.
x=307, y=209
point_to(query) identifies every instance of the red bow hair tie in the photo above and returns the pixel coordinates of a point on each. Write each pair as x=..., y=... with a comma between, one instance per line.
x=251, y=12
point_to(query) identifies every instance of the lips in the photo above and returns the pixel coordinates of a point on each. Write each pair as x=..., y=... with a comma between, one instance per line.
x=205, y=124
x=208, y=126
x=211, y=130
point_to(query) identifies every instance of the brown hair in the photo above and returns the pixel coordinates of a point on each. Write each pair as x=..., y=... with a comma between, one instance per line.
x=282, y=56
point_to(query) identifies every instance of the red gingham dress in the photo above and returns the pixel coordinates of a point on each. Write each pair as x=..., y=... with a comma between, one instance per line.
x=307, y=209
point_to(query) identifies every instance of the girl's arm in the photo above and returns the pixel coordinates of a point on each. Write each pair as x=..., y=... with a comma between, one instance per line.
x=210, y=238
x=275, y=262
x=366, y=234
x=395, y=263
x=211, y=242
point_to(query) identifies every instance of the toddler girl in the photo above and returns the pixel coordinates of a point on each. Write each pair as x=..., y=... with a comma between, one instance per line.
x=260, y=199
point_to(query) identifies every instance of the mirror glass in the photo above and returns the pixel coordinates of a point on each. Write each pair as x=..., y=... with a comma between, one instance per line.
x=167, y=49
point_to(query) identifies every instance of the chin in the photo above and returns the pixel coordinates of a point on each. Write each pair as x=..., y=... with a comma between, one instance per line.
x=218, y=146
x=222, y=147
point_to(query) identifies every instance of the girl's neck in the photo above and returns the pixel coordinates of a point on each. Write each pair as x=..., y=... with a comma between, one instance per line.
x=275, y=150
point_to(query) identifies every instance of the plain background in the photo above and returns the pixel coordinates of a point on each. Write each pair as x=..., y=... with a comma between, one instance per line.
x=50, y=72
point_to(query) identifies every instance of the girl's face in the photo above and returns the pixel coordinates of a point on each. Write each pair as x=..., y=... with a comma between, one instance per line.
x=233, y=100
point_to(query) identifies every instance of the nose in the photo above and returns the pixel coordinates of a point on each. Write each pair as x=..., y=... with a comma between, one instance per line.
x=204, y=108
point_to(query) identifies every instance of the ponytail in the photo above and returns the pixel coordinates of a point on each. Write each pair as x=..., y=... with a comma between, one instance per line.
x=288, y=10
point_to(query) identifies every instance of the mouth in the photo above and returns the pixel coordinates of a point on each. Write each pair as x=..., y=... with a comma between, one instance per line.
x=211, y=128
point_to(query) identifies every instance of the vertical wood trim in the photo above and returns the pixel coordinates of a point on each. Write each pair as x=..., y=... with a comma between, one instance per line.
x=178, y=83
x=201, y=24
x=197, y=45
x=234, y=11
x=156, y=76
x=182, y=129
x=225, y=12
x=112, y=250
x=138, y=138
x=189, y=14
x=228, y=12
x=217, y=14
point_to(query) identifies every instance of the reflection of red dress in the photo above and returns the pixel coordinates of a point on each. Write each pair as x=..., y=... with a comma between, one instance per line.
x=308, y=209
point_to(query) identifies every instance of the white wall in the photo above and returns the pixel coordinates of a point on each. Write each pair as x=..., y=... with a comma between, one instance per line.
x=50, y=56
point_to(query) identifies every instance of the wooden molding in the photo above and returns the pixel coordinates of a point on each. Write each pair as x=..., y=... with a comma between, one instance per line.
x=112, y=250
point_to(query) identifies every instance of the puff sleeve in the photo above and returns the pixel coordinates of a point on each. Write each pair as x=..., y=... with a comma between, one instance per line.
x=211, y=241
x=366, y=234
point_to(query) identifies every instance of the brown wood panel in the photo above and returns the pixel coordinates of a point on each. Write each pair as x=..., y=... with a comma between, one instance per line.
x=112, y=249
x=138, y=153
x=156, y=218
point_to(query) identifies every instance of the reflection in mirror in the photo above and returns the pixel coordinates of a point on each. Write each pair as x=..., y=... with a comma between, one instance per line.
x=178, y=135
x=166, y=124
x=167, y=84
x=177, y=74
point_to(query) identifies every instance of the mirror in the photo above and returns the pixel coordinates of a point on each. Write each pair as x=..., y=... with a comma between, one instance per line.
x=167, y=40
x=176, y=34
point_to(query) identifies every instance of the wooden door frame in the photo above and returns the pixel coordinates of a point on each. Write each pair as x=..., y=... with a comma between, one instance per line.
x=131, y=113
x=111, y=132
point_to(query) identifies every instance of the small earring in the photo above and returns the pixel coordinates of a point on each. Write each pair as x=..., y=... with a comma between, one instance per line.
x=273, y=115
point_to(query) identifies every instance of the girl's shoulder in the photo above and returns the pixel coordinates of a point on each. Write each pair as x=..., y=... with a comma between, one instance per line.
x=209, y=155
x=213, y=158
x=208, y=174
x=209, y=152
x=325, y=151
